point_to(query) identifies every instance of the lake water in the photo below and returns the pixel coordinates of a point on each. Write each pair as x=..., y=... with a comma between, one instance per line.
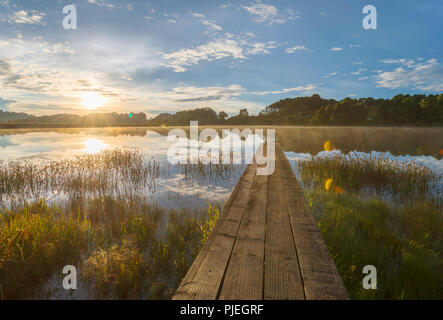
x=424, y=145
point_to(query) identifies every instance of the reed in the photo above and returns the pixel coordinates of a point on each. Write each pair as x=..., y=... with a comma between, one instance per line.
x=383, y=213
x=125, y=248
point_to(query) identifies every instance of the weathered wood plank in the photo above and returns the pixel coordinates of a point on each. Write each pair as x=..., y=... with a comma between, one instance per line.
x=266, y=244
x=204, y=277
x=244, y=275
x=320, y=276
x=282, y=273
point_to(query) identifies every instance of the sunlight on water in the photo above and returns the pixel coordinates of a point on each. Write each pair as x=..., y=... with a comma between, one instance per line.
x=93, y=146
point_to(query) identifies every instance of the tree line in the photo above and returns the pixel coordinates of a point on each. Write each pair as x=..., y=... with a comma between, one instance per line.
x=401, y=110
x=414, y=110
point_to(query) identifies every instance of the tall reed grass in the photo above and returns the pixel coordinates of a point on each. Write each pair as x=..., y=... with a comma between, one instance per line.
x=124, y=247
x=379, y=212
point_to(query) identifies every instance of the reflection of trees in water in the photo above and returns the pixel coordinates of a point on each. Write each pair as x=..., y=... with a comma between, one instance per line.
x=397, y=141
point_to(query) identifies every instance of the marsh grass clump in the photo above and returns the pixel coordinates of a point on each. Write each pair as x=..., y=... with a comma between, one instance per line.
x=383, y=213
x=404, y=242
x=125, y=248
x=124, y=171
x=140, y=254
x=35, y=241
x=376, y=175
x=118, y=268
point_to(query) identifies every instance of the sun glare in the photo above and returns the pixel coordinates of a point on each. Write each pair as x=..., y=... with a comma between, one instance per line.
x=92, y=100
x=93, y=146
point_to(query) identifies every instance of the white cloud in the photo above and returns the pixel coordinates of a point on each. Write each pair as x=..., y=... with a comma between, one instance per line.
x=296, y=48
x=25, y=17
x=359, y=71
x=306, y=88
x=336, y=49
x=209, y=23
x=199, y=94
x=265, y=13
x=330, y=75
x=427, y=75
x=217, y=49
x=405, y=62
x=103, y=3
x=355, y=45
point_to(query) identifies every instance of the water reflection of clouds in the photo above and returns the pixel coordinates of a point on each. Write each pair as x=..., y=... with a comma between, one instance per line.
x=6, y=142
x=173, y=189
x=44, y=146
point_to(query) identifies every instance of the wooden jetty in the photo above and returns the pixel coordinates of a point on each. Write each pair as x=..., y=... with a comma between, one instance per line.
x=266, y=245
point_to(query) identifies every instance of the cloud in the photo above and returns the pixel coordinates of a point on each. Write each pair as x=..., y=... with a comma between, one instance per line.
x=217, y=49
x=359, y=71
x=427, y=75
x=103, y=3
x=330, y=75
x=306, y=88
x=195, y=94
x=25, y=17
x=265, y=13
x=296, y=48
x=209, y=23
x=5, y=103
x=336, y=49
x=404, y=62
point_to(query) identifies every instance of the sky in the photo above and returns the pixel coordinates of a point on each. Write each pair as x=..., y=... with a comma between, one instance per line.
x=166, y=56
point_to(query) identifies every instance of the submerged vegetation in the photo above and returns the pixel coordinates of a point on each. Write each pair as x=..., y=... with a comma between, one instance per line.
x=376, y=211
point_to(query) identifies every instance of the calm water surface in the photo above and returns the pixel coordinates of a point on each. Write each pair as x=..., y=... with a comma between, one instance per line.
x=423, y=145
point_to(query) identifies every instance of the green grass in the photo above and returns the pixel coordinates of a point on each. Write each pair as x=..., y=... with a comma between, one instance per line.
x=122, y=244
x=400, y=234
x=124, y=248
x=380, y=176
x=35, y=241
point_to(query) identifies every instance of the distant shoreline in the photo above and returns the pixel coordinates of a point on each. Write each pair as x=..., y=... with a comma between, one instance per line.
x=116, y=125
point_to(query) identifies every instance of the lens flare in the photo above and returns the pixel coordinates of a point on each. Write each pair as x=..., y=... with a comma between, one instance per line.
x=327, y=145
x=338, y=190
x=328, y=184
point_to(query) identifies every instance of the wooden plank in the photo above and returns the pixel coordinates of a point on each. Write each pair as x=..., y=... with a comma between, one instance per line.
x=204, y=277
x=320, y=276
x=282, y=273
x=244, y=275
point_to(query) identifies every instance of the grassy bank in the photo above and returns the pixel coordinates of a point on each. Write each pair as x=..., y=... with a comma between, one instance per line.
x=379, y=212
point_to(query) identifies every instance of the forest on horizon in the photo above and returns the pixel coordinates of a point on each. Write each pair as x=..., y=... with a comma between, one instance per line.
x=401, y=110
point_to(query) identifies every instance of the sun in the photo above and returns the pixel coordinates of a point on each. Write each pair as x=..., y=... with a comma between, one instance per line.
x=92, y=100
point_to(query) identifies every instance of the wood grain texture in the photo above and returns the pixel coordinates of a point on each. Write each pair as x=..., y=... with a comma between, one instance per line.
x=204, y=277
x=320, y=276
x=244, y=275
x=282, y=274
x=266, y=245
